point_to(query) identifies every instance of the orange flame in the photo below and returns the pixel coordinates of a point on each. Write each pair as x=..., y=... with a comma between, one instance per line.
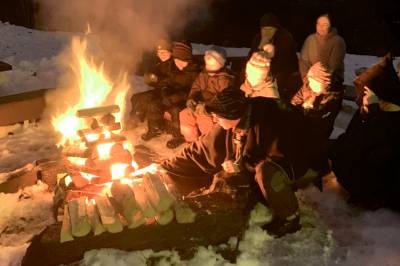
x=95, y=90
x=87, y=176
x=152, y=168
x=77, y=160
x=118, y=170
x=104, y=150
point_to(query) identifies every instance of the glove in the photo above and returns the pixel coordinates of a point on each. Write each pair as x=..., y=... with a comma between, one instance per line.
x=231, y=167
x=150, y=78
x=191, y=104
x=369, y=97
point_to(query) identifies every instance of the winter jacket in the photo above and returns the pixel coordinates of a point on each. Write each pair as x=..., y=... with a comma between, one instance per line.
x=329, y=50
x=284, y=65
x=320, y=111
x=161, y=71
x=206, y=86
x=269, y=132
x=267, y=89
x=366, y=158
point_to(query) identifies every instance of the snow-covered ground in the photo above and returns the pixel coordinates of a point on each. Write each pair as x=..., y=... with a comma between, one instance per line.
x=333, y=232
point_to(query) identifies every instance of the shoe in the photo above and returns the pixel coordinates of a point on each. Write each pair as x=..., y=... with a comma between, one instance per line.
x=175, y=142
x=279, y=227
x=151, y=134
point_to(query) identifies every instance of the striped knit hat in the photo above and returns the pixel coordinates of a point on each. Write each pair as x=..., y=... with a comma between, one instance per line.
x=229, y=104
x=182, y=50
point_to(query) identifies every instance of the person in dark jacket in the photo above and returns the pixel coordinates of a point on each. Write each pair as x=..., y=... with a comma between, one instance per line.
x=366, y=158
x=214, y=78
x=154, y=78
x=279, y=43
x=253, y=136
x=174, y=90
x=320, y=101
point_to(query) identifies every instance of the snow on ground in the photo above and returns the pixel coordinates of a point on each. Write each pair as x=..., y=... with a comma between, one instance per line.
x=333, y=232
x=23, y=215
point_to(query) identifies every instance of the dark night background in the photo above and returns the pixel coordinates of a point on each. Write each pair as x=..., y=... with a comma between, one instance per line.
x=368, y=26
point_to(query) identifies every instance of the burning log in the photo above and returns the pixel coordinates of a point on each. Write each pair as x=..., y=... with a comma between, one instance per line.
x=183, y=213
x=65, y=233
x=142, y=200
x=107, y=120
x=157, y=193
x=92, y=122
x=75, y=151
x=97, y=111
x=112, y=138
x=94, y=219
x=126, y=201
x=109, y=218
x=110, y=127
x=165, y=217
x=79, y=220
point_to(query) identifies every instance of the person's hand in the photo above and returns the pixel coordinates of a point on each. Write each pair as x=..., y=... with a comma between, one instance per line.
x=167, y=116
x=231, y=167
x=191, y=104
x=150, y=78
x=201, y=109
x=369, y=97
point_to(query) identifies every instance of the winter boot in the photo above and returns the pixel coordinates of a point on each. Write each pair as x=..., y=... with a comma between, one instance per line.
x=275, y=185
x=175, y=142
x=151, y=134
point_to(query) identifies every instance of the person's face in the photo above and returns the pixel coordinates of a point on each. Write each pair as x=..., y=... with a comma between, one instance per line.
x=270, y=49
x=323, y=26
x=225, y=123
x=180, y=64
x=255, y=76
x=164, y=55
x=211, y=63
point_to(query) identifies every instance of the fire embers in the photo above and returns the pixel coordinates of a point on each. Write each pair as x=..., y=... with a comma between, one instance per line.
x=101, y=154
x=123, y=203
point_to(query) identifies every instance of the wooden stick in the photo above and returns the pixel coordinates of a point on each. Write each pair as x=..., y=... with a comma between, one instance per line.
x=65, y=233
x=75, y=151
x=142, y=200
x=79, y=220
x=97, y=111
x=165, y=217
x=183, y=213
x=107, y=119
x=109, y=218
x=94, y=218
x=158, y=194
x=110, y=127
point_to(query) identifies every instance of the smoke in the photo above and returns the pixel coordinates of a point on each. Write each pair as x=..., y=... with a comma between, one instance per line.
x=126, y=28
x=122, y=31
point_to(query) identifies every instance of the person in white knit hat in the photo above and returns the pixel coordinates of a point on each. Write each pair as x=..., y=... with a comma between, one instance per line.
x=259, y=81
x=214, y=78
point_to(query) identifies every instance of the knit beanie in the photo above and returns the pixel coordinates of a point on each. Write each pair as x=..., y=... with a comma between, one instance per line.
x=182, y=50
x=269, y=19
x=164, y=44
x=382, y=79
x=229, y=104
x=217, y=53
x=259, y=64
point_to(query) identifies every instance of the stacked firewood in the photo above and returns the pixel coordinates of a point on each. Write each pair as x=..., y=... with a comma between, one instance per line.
x=144, y=201
x=83, y=158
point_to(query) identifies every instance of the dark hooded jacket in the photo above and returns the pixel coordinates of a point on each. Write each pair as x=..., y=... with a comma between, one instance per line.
x=266, y=131
x=284, y=65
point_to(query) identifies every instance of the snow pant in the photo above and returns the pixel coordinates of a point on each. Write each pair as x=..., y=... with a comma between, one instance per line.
x=193, y=125
x=276, y=186
x=171, y=101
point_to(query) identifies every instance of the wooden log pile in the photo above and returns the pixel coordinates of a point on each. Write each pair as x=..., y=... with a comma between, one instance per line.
x=137, y=216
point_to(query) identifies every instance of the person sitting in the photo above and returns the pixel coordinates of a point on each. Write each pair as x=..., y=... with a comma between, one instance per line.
x=325, y=46
x=154, y=78
x=259, y=81
x=214, y=78
x=278, y=42
x=174, y=90
x=366, y=158
x=320, y=101
x=255, y=137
